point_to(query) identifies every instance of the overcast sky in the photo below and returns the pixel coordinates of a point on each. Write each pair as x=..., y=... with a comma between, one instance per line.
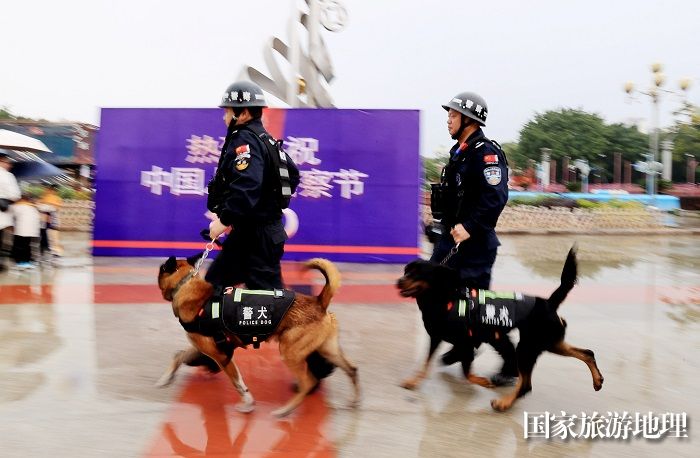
x=62, y=60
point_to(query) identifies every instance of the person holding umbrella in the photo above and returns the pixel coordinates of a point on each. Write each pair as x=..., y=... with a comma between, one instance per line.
x=27, y=230
x=9, y=193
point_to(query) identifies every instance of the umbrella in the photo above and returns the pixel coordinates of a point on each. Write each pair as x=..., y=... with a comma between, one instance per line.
x=18, y=142
x=33, y=170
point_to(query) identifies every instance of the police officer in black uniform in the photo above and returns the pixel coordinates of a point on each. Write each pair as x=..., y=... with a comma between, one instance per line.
x=243, y=196
x=473, y=191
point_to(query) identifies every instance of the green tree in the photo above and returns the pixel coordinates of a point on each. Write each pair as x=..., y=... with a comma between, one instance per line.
x=6, y=114
x=516, y=160
x=686, y=141
x=627, y=140
x=432, y=168
x=581, y=135
x=567, y=132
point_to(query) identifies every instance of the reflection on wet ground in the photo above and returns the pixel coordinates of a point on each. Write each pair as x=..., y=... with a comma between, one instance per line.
x=82, y=343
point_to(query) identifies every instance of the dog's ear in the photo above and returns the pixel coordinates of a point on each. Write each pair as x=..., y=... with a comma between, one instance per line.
x=192, y=260
x=169, y=266
x=416, y=267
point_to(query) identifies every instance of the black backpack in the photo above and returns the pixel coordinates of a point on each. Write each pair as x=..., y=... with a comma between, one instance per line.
x=283, y=169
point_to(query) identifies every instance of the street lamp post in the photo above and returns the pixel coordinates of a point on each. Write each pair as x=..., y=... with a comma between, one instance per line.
x=654, y=93
x=691, y=164
x=546, y=156
x=602, y=168
x=584, y=169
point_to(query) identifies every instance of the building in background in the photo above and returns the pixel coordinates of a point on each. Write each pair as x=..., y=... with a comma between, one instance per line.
x=72, y=144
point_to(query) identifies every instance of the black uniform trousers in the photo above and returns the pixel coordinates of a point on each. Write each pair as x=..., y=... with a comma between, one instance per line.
x=250, y=254
x=474, y=268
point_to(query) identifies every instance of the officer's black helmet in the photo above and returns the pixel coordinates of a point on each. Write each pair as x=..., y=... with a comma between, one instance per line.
x=471, y=105
x=243, y=94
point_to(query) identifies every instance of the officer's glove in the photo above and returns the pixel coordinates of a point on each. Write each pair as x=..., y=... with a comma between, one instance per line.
x=205, y=235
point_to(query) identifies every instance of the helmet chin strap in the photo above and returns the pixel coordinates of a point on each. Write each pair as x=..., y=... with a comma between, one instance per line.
x=465, y=123
x=237, y=112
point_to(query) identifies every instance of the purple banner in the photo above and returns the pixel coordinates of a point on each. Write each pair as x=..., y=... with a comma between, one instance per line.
x=357, y=200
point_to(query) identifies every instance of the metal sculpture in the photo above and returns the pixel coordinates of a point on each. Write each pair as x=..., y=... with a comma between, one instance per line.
x=310, y=70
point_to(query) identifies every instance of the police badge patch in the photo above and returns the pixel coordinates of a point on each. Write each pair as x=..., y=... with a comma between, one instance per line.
x=242, y=161
x=242, y=157
x=493, y=175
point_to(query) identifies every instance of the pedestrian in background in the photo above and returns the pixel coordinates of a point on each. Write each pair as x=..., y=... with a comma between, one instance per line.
x=9, y=193
x=26, y=232
x=49, y=204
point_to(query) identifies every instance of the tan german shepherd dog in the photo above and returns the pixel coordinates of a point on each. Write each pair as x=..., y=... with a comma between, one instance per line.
x=307, y=327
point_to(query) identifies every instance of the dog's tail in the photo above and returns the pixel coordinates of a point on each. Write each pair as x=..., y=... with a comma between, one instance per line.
x=332, y=275
x=568, y=280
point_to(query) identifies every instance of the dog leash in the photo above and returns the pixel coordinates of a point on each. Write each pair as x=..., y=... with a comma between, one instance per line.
x=209, y=247
x=452, y=252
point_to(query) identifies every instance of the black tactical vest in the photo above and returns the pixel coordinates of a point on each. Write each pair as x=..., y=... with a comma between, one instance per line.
x=250, y=315
x=480, y=307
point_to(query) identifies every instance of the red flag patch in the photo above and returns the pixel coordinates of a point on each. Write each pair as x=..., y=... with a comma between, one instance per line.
x=242, y=149
x=491, y=159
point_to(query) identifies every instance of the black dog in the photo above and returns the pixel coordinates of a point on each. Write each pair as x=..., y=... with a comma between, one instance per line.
x=437, y=292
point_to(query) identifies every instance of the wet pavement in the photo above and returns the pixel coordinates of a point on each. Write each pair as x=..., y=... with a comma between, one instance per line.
x=82, y=343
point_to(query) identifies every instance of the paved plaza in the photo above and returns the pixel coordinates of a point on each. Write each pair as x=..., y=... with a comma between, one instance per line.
x=83, y=342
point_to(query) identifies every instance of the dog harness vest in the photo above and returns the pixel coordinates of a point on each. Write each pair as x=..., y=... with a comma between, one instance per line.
x=480, y=307
x=251, y=315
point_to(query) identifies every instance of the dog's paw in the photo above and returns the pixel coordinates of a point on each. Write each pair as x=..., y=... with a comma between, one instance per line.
x=245, y=407
x=481, y=381
x=410, y=384
x=500, y=405
x=165, y=380
x=598, y=384
x=247, y=403
x=282, y=412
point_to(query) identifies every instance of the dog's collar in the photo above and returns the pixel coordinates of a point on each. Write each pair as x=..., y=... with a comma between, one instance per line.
x=181, y=283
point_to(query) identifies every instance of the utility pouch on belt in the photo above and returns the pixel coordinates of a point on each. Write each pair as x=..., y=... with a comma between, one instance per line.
x=216, y=193
x=437, y=200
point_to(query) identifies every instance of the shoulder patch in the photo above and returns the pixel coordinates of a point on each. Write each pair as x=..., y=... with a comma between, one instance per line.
x=242, y=162
x=491, y=158
x=492, y=175
x=242, y=157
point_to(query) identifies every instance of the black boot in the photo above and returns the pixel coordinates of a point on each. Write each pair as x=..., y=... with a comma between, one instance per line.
x=508, y=374
x=450, y=357
x=202, y=360
x=319, y=367
x=501, y=379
